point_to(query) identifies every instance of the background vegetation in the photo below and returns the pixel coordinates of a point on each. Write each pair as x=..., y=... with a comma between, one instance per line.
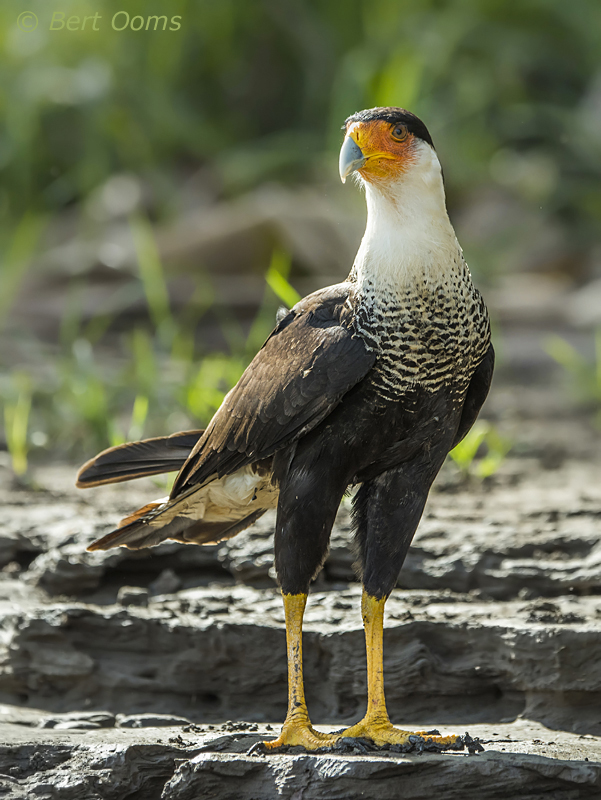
x=256, y=92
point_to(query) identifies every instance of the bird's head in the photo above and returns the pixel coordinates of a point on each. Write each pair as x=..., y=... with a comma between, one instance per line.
x=383, y=145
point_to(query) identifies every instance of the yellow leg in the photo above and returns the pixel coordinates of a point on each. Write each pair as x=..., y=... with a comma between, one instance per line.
x=297, y=729
x=376, y=725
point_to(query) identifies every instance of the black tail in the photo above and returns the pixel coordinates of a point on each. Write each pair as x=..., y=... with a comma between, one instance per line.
x=138, y=459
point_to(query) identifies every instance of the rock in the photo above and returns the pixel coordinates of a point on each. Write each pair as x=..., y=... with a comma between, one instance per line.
x=236, y=777
x=78, y=719
x=509, y=538
x=522, y=759
x=67, y=570
x=149, y=720
x=167, y=583
x=446, y=655
x=498, y=617
x=14, y=545
x=57, y=659
x=70, y=767
x=12, y=568
x=132, y=596
x=76, y=725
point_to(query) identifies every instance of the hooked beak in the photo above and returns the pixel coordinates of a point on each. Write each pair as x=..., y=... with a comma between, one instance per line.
x=351, y=158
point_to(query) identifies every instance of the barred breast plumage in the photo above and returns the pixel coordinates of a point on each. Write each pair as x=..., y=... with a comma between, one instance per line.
x=432, y=334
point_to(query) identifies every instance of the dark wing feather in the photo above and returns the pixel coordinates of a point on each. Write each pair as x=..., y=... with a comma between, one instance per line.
x=138, y=459
x=137, y=535
x=310, y=361
x=476, y=395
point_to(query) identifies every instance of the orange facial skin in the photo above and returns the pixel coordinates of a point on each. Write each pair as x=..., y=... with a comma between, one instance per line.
x=387, y=157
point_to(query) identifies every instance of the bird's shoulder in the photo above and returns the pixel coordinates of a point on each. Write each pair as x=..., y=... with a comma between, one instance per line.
x=312, y=358
x=324, y=308
x=313, y=348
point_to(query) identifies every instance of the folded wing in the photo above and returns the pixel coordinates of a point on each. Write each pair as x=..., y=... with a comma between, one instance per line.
x=304, y=369
x=307, y=365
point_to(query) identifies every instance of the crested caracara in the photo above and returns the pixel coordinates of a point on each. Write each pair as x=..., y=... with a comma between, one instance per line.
x=368, y=383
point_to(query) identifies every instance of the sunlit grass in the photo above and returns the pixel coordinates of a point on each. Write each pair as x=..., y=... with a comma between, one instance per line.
x=16, y=259
x=583, y=374
x=482, y=451
x=16, y=422
x=276, y=279
x=245, y=93
x=158, y=380
x=153, y=279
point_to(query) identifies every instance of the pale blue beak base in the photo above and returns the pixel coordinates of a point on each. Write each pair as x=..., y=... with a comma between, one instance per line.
x=351, y=158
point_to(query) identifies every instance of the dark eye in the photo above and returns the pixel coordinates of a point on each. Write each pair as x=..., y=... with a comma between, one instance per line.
x=399, y=132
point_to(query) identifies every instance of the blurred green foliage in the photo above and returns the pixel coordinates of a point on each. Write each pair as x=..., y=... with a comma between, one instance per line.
x=17, y=407
x=582, y=374
x=82, y=402
x=262, y=88
x=258, y=90
x=480, y=454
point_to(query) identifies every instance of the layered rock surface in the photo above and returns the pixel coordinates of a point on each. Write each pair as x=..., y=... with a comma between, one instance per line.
x=522, y=759
x=497, y=618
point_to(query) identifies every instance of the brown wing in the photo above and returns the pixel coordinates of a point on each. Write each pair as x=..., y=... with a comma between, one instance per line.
x=310, y=361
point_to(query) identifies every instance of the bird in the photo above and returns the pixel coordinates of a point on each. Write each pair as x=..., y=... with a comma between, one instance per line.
x=364, y=386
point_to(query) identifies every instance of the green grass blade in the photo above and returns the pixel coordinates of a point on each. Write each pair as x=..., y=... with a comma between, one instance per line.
x=17, y=259
x=152, y=276
x=465, y=452
x=564, y=354
x=598, y=362
x=276, y=278
x=16, y=421
x=138, y=418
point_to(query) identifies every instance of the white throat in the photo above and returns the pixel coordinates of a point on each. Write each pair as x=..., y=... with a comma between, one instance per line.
x=408, y=235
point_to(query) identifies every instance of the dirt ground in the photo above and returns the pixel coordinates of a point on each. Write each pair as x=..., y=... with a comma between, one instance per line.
x=119, y=670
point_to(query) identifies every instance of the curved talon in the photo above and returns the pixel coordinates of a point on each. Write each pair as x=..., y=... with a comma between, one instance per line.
x=383, y=733
x=376, y=725
x=301, y=735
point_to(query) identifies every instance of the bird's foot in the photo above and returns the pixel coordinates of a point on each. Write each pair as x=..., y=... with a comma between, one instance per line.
x=383, y=732
x=297, y=733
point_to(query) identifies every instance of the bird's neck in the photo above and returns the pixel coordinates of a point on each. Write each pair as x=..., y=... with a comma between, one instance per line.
x=408, y=238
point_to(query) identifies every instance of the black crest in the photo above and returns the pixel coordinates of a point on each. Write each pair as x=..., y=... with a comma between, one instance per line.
x=395, y=116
